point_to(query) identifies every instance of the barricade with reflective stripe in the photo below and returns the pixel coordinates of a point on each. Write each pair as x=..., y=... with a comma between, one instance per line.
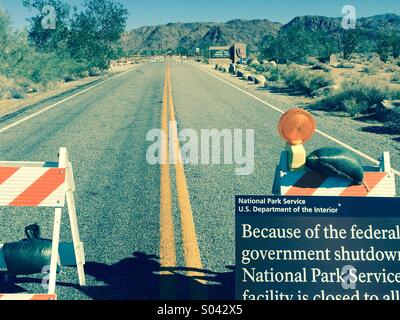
x=45, y=184
x=21, y=297
x=32, y=187
x=379, y=182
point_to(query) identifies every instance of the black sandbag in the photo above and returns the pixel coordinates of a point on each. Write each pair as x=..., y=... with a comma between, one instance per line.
x=337, y=162
x=28, y=256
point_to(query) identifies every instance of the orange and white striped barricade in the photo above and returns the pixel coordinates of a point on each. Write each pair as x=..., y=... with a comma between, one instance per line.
x=44, y=184
x=380, y=181
x=26, y=297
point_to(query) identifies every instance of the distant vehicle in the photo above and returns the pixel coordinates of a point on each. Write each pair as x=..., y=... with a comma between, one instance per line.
x=153, y=60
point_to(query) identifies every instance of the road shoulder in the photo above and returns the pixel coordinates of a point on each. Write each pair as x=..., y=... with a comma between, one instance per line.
x=359, y=134
x=9, y=108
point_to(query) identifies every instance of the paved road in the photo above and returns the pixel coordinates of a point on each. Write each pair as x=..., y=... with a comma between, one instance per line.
x=118, y=193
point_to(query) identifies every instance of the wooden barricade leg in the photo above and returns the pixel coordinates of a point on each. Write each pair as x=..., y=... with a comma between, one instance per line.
x=78, y=247
x=80, y=260
x=385, y=163
x=54, y=251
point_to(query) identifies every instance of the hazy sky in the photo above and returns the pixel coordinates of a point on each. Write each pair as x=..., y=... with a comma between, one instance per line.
x=152, y=12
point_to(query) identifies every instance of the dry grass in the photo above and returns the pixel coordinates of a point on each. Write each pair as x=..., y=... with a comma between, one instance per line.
x=10, y=104
x=359, y=96
x=304, y=80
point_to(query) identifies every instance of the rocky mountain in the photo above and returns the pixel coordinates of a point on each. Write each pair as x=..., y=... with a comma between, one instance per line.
x=317, y=23
x=185, y=37
x=313, y=24
x=369, y=30
x=188, y=36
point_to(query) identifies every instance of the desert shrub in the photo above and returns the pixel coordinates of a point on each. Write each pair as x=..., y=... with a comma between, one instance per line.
x=43, y=71
x=43, y=68
x=22, y=82
x=253, y=62
x=371, y=70
x=35, y=88
x=94, y=72
x=84, y=74
x=13, y=92
x=261, y=68
x=396, y=77
x=321, y=66
x=4, y=84
x=11, y=89
x=312, y=61
x=250, y=69
x=38, y=71
x=359, y=96
x=392, y=69
x=318, y=81
x=70, y=78
x=4, y=93
x=353, y=107
x=372, y=57
x=375, y=60
x=358, y=59
x=40, y=59
x=17, y=93
x=273, y=75
x=255, y=65
x=304, y=80
x=343, y=65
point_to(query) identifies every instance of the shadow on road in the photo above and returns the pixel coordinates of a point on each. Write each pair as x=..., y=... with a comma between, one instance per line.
x=141, y=277
x=379, y=130
x=283, y=91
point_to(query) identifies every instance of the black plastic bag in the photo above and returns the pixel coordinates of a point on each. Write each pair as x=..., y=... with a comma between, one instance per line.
x=28, y=256
x=339, y=162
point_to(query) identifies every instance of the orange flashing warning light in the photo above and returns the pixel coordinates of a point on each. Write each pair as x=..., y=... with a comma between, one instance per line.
x=297, y=126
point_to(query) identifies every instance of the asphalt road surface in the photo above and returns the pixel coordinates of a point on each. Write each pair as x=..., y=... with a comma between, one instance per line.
x=139, y=245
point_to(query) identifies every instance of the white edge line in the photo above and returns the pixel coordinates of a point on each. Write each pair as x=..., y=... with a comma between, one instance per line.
x=33, y=115
x=365, y=156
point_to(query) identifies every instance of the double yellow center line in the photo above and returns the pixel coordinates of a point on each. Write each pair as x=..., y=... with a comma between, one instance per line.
x=167, y=234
